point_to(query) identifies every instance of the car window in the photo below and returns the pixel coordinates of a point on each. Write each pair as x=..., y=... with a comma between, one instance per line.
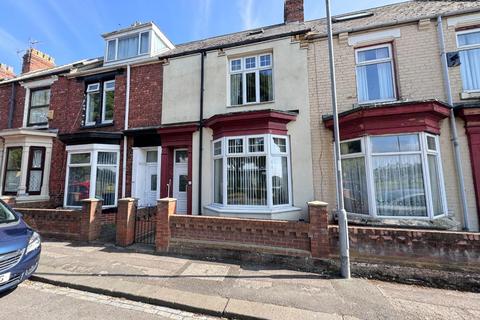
x=6, y=215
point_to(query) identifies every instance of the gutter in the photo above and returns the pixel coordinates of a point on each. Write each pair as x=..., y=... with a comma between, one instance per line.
x=200, y=129
x=127, y=110
x=453, y=125
x=393, y=23
x=11, y=107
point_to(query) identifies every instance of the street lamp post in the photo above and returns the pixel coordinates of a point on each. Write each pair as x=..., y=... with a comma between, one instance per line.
x=342, y=214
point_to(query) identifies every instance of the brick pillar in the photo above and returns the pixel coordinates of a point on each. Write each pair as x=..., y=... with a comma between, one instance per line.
x=319, y=243
x=127, y=208
x=11, y=201
x=90, y=219
x=165, y=208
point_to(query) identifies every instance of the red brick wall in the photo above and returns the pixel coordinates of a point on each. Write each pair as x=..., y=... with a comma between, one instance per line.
x=409, y=246
x=63, y=224
x=5, y=94
x=146, y=88
x=269, y=233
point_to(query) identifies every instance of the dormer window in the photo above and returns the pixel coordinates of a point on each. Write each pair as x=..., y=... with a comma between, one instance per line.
x=129, y=46
x=139, y=41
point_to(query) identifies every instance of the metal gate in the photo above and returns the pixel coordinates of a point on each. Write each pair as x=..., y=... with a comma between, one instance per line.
x=145, y=225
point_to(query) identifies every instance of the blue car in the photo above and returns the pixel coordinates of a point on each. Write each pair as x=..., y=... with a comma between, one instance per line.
x=19, y=248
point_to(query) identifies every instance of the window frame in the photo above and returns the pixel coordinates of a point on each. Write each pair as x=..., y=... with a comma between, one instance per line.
x=7, y=153
x=390, y=59
x=244, y=71
x=129, y=35
x=102, y=92
x=368, y=155
x=93, y=150
x=32, y=90
x=224, y=155
x=467, y=48
x=30, y=169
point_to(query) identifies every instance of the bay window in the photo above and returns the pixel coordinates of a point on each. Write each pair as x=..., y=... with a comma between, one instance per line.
x=251, y=79
x=375, y=74
x=92, y=173
x=468, y=43
x=393, y=176
x=100, y=102
x=13, y=170
x=251, y=171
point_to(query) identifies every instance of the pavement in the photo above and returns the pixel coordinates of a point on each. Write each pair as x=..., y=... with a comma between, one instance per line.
x=42, y=301
x=240, y=290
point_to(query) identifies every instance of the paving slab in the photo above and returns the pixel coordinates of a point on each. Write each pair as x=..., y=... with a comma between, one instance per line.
x=239, y=290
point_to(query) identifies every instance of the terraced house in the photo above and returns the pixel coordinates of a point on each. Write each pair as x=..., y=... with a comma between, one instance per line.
x=240, y=125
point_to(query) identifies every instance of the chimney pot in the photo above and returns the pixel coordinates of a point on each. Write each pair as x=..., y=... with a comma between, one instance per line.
x=35, y=60
x=293, y=11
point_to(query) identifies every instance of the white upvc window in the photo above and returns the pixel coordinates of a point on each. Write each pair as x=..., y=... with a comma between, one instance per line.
x=468, y=43
x=252, y=172
x=100, y=102
x=394, y=176
x=250, y=79
x=92, y=173
x=375, y=74
x=129, y=46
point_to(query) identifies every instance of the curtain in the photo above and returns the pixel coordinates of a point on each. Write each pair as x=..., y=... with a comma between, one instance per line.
x=106, y=177
x=435, y=184
x=236, y=95
x=247, y=181
x=355, y=185
x=251, y=87
x=375, y=82
x=266, y=85
x=218, y=181
x=127, y=47
x=279, y=170
x=470, y=69
x=399, y=185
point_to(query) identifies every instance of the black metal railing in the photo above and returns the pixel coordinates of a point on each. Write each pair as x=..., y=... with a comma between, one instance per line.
x=145, y=222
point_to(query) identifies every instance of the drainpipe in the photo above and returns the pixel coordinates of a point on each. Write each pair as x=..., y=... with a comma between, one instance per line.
x=200, y=128
x=11, y=107
x=453, y=125
x=127, y=108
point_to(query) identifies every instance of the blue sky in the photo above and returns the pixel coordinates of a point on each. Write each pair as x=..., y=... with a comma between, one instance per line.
x=70, y=30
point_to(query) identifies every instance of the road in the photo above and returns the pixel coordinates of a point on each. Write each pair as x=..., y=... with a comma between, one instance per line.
x=34, y=300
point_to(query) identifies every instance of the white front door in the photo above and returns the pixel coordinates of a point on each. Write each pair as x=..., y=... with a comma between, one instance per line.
x=146, y=175
x=180, y=179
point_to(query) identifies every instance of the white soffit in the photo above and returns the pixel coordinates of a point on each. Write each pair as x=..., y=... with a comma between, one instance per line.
x=463, y=19
x=373, y=36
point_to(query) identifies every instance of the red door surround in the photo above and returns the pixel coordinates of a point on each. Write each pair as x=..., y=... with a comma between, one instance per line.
x=174, y=137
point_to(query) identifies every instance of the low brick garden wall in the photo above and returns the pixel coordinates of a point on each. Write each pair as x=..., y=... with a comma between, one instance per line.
x=53, y=223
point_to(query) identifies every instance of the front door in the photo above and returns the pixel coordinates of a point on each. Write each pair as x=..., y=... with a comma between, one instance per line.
x=151, y=185
x=146, y=176
x=180, y=179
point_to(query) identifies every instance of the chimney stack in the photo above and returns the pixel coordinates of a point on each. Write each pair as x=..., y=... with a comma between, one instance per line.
x=6, y=72
x=293, y=11
x=35, y=60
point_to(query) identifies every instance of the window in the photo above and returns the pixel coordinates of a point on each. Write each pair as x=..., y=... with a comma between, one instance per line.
x=469, y=44
x=251, y=171
x=92, y=173
x=36, y=166
x=393, y=176
x=100, y=102
x=39, y=105
x=375, y=76
x=13, y=171
x=128, y=46
x=251, y=79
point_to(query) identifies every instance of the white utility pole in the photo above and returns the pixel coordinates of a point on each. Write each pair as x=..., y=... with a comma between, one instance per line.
x=342, y=214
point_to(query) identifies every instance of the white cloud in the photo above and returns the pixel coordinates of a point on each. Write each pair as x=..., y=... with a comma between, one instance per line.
x=202, y=21
x=9, y=43
x=247, y=14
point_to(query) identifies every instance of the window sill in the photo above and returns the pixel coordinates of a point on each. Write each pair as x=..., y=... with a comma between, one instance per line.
x=470, y=95
x=43, y=126
x=251, y=104
x=442, y=222
x=252, y=212
x=32, y=198
x=372, y=102
x=101, y=125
